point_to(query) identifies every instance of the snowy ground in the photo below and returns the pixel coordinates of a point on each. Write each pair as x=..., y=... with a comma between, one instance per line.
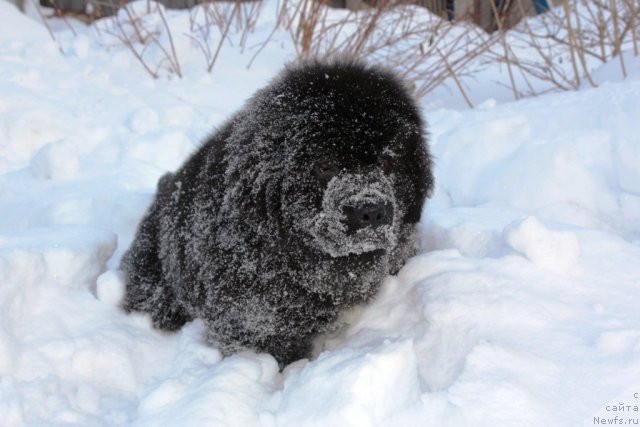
x=522, y=310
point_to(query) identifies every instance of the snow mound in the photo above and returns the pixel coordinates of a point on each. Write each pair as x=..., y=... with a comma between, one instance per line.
x=350, y=387
x=57, y=161
x=554, y=250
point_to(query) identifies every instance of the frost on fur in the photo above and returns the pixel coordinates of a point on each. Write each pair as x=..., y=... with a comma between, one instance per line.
x=292, y=212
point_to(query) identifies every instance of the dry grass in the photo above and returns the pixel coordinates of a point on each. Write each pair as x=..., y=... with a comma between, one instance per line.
x=559, y=48
x=581, y=33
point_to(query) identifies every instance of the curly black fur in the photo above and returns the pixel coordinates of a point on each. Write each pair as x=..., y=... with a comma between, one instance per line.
x=268, y=232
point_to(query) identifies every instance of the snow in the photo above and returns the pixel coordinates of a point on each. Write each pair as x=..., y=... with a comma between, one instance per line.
x=522, y=309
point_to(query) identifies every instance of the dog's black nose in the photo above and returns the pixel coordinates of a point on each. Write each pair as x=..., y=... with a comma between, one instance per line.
x=368, y=215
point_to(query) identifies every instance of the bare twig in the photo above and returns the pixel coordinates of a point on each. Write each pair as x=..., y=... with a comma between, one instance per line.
x=503, y=40
x=617, y=51
x=46, y=24
x=173, y=58
x=455, y=79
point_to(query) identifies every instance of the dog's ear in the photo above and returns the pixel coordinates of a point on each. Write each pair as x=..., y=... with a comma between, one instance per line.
x=414, y=180
x=253, y=180
x=272, y=206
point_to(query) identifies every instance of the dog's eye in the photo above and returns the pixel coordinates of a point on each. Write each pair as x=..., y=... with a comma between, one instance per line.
x=385, y=164
x=326, y=169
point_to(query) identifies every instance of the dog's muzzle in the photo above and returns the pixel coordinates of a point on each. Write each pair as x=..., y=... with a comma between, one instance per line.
x=359, y=214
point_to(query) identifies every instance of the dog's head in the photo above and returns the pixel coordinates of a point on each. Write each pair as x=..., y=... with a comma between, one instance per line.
x=347, y=145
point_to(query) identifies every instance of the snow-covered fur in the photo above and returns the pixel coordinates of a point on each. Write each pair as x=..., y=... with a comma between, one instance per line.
x=292, y=212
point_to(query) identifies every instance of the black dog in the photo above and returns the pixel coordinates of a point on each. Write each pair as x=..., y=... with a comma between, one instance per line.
x=295, y=210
